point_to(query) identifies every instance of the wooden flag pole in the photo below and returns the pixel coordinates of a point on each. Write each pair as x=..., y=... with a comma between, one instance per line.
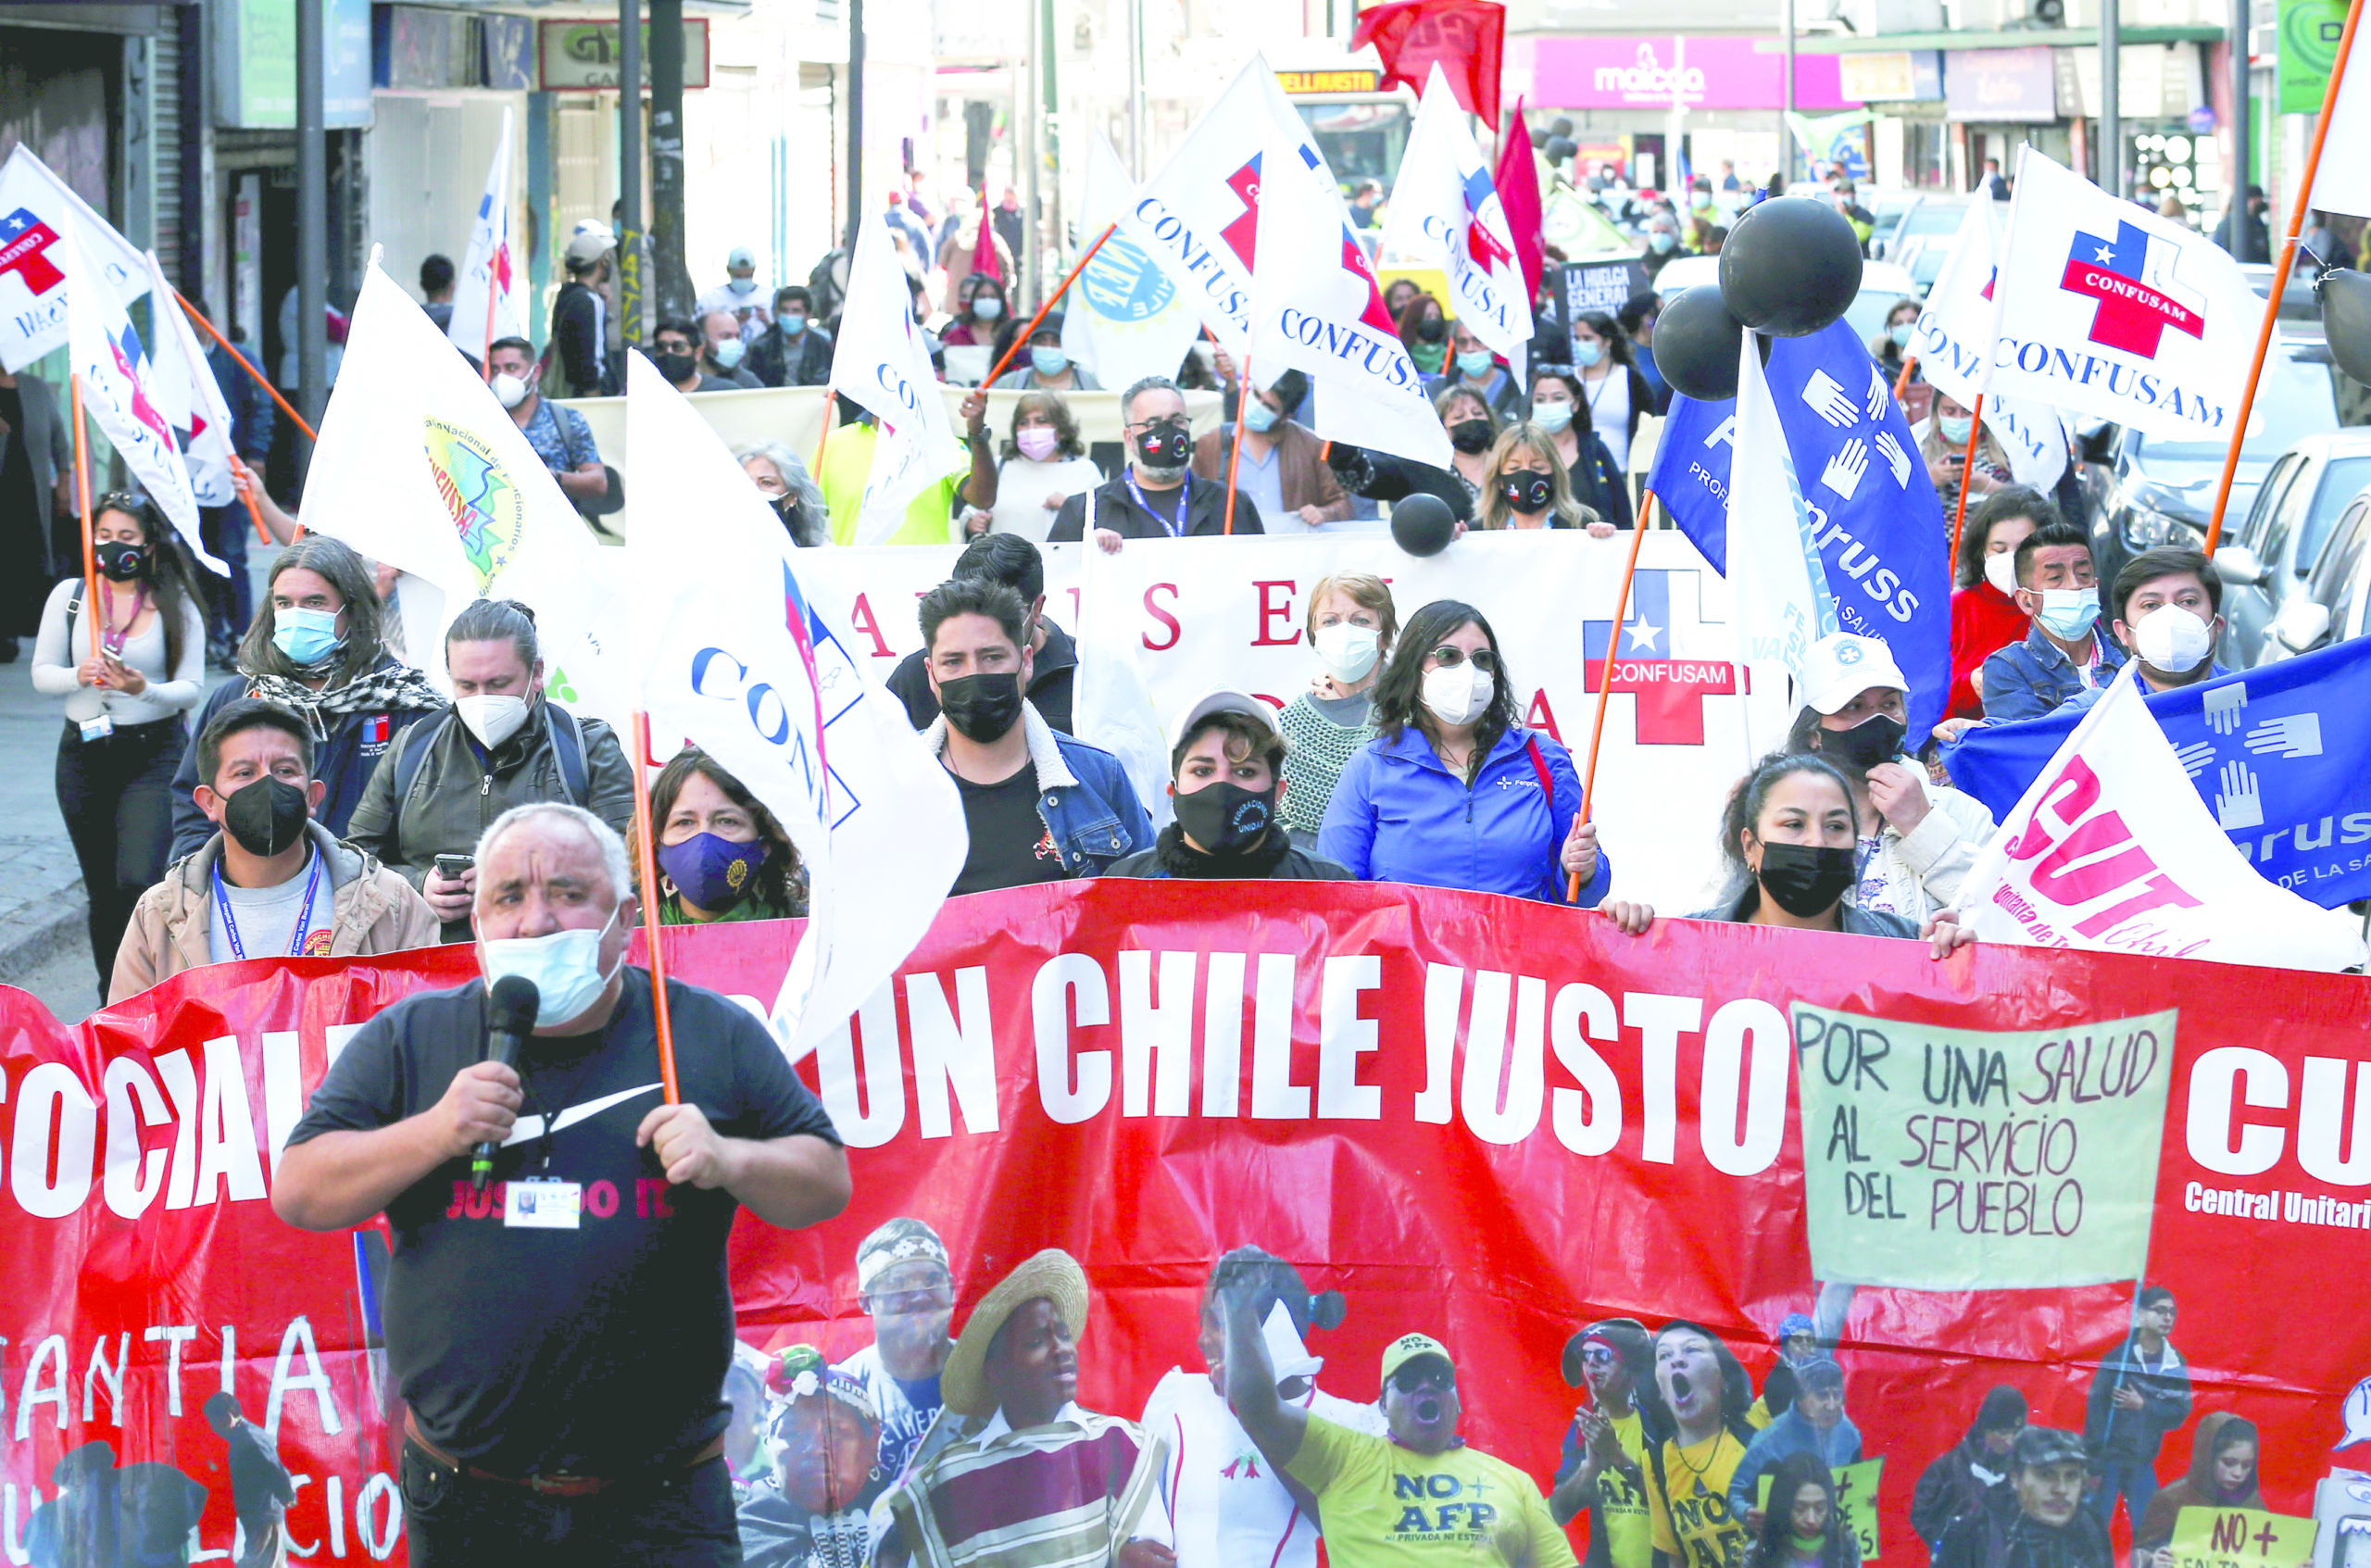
x=91, y=614
x=261, y=380
x=646, y=869
x=2297, y=210
x=1605, y=677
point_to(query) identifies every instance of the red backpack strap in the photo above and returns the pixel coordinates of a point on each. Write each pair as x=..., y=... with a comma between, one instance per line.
x=1540, y=766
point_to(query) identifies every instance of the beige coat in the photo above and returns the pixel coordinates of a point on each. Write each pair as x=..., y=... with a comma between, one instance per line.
x=373, y=911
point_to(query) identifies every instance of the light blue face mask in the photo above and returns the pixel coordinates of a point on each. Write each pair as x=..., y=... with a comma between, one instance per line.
x=306, y=637
x=728, y=353
x=1587, y=354
x=790, y=321
x=2068, y=612
x=1261, y=419
x=987, y=308
x=1899, y=333
x=1049, y=361
x=1475, y=362
x=564, y=965
x=1551, y=417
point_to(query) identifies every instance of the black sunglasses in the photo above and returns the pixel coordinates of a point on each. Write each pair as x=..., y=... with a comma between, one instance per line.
x=1415, y=1375
x=1447, y=658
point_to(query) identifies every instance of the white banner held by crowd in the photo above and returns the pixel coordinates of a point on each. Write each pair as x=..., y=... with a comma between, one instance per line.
x=1445, y=212
x=187, y=395
x=489, y=295
x=108, y=354
x=39, y=213
x=881, y=364
x=2111, y=850
x=735, y=659
x=1125, y=320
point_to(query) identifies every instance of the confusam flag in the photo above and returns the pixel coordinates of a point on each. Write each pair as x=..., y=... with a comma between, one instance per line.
x=881, y=364
x=39, y=213
x=1198, y=219
x=185, y=391
x=419, y=467
x=1445, y=212
x=1317, y=309
x=106, y=351
x=489, y=296
x=2112, y=851
x=2119, y=313
x=1776, y=581
x=734, y=657
x=1953, y=341
x=1126, y=320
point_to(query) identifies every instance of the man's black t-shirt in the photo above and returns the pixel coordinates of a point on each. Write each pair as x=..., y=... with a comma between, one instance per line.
x=1009, y=845
x=597, y=1350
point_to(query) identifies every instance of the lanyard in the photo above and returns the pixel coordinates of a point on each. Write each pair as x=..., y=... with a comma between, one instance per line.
x=1178, y=529
x=111, y=639
x=231, y=922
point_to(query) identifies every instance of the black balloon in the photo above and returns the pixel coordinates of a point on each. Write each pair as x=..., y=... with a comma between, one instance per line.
x=1790, y=266
x=1696, y=345
x=2346, y=320
x=1422, y=524
x=1560, y=150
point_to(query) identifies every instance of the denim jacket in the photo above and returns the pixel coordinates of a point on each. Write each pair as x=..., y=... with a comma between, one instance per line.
x=1089, y=807
x=2027, y=680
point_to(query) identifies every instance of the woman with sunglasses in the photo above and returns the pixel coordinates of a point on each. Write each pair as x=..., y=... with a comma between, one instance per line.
x=125, y=706
x=1452, y=792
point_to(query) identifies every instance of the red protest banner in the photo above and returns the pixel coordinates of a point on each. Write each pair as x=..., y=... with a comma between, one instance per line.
x=1490, y=1121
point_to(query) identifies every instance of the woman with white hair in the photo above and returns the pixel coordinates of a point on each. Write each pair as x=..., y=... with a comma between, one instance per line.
x=784, y=480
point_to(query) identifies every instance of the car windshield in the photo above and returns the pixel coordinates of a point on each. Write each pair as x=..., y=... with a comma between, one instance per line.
x=1932, y=217
x=1868, y=309
x=2293, y=402
x=2341, y=481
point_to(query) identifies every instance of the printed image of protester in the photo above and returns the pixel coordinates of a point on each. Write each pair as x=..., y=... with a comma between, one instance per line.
x=107, y=1516
x=260, y=1490
x=1603, y=1467
x=1705, y=1387
x=823, y=1446
x=2140, y=1393
x=1410, y=1495
x=745, y=1428
x=1797, y=1341
x=1228, y=1505
x=1974, y=1473
x=1014, y=1473
x=1803, y=1527
x=2223, y=1454
x=1814, y=1423
x=2049, y=1528
x=906, y=1288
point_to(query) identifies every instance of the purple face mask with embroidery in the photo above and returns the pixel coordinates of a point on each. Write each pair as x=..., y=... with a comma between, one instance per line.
x=712, y=873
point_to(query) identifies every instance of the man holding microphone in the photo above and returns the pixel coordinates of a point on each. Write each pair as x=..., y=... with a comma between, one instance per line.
x=560, y=1337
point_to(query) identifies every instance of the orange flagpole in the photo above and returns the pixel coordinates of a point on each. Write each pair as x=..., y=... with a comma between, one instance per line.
x=91, y=614
x=1901, y=381
x=255, y=514
x=1234, y=461
x=486, y=364
x=1967, y=466
x=261, y=380
x=646, y=869
x=2279, y=273
x=825, y=435
x=1055, y=299
x=1605, y=677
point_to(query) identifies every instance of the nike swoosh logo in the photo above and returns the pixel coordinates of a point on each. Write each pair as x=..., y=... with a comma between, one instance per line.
x=532, y=1126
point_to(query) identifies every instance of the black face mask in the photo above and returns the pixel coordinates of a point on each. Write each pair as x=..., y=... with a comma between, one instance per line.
x=1470, y=436
x=1527, y=492
x=123, y=562
x=1226, y=818
x=1803, y=879
x=1432, y=330
x=982, y=707
x=1165, y=446
x=1872, y=740
x=674, y=366
x=265, y=816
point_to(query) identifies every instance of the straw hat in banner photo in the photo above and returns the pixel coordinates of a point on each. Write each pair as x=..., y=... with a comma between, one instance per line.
x=1054, y=1274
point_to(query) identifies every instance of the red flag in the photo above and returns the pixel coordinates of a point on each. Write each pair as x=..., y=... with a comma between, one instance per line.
x=1518, y=180
x=1466, y=38
x=983, y=243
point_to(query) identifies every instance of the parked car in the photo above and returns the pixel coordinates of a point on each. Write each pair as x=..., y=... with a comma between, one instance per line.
x=1882, y=285
x=1934, y=216
x=2271, y=555
x=2338, y=596
x=2142, y=490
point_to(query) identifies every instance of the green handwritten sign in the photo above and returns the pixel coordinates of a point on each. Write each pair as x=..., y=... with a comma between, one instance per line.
x=1856, y=1499
x=2240, y=1537
x=1974, y=1159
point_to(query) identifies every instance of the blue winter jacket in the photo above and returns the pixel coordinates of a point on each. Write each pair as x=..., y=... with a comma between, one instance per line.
x=1399, y=815
x=1784, y=1438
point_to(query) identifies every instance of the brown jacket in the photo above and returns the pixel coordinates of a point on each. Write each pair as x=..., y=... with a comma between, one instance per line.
x=2216, y=1429
x=373, y=911
x=1301, y=472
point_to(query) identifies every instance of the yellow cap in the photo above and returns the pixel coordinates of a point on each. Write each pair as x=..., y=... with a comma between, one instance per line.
x=1407, y=1348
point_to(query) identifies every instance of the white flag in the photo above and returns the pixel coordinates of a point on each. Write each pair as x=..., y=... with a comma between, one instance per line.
x=106, y=353
x=1126, y=320
x=2117, y=312
x=1776, y=580
x=735, y=659
x=489, y=296
x=38, y=211
x=1445, y=212
x=2112, y=850
x=2342, y=181
x=1953, y=342
x=1198, y=219
x=880, y=363
x=188, y=395
x=1316, y=308
x=420, y=468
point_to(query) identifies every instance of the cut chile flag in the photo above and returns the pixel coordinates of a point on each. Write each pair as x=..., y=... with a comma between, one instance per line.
x=1465, y=38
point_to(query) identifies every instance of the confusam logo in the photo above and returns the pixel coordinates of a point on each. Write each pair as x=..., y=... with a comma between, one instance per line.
x=2132, y=276
x=1669, y=692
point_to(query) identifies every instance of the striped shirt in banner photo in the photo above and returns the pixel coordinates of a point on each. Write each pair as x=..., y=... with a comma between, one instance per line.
x=1068, y=1494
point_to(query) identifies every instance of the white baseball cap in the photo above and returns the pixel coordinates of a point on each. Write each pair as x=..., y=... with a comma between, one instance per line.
x=1842, y=666
x=740, y=256
x=1220, y=699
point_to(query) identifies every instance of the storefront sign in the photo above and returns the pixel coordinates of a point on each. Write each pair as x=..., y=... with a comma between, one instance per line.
x=2000, y=84
x=1330, y=81
x=1890, y=76
x=1664, y=73
x=255, y=48
x=2309, y=35
x=583, y=57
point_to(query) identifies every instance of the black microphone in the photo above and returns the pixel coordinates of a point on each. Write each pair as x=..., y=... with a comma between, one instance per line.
x=512, y=1003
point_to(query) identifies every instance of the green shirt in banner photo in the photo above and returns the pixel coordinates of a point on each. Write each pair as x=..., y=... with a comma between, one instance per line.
x=1940, y=1158
x=2240, y=1537
x=1856, y=1500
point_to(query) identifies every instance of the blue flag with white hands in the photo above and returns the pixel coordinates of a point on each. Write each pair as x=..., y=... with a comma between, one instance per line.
x=2280, y=754
x=1874, y=516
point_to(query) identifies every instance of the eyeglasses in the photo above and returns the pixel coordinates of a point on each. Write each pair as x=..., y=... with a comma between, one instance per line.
x=1595, y=1355
x=1425, y=1370
x=1168, y=422
x=1447, y=658
x=898, y=1303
